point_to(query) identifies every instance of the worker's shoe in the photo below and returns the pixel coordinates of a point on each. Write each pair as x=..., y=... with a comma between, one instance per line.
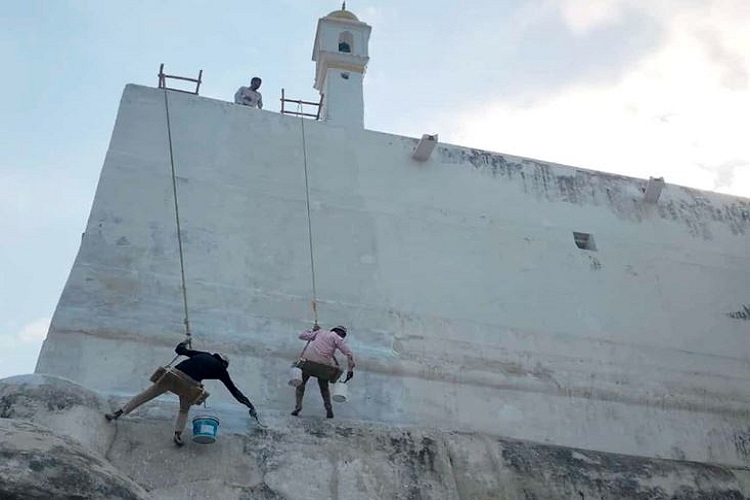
x=296, y=411
x=178, y=439
x=113, y=416
x=329, y=413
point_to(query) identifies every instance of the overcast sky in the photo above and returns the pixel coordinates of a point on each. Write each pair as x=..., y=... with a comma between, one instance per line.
x=637, y=87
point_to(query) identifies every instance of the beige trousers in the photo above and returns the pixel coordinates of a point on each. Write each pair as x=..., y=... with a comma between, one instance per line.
x=176, y=382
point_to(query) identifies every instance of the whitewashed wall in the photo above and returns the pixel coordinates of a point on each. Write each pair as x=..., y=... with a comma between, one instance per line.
x=470, y=307
x=343, y=104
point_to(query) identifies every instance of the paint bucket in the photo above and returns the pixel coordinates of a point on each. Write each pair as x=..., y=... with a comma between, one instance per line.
x=295, y=377
x=205, y=429
x=340, y=391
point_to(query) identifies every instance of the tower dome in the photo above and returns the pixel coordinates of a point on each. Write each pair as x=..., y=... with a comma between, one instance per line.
x=343, y=14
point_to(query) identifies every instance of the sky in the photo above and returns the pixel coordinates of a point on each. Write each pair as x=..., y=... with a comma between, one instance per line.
x=635, y=87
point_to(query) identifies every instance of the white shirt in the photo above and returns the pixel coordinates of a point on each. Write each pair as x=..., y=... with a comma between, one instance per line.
x=248, y=97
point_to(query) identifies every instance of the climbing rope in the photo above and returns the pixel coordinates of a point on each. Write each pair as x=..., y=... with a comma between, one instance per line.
x=309, y=222
x=186, y=321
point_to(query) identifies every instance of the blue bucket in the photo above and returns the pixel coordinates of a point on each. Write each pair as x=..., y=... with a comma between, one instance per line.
x=205, y=429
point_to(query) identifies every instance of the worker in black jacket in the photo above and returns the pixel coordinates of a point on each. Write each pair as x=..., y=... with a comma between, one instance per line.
x=184, y=380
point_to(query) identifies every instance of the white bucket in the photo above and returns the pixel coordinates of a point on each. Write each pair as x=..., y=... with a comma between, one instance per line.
x=340, y=391
x=295, y=377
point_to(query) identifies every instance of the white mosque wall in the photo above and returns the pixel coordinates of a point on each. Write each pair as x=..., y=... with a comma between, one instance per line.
x=469, y=305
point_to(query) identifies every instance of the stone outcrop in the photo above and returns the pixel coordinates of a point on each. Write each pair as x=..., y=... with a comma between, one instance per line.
x=313, y=458
x=59, y=404
x=36, y=463
x=75, y=453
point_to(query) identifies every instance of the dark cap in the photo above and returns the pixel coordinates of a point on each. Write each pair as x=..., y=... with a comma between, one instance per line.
x=341, y=330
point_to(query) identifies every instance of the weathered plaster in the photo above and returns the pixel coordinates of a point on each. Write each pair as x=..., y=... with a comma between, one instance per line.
x=469, y=304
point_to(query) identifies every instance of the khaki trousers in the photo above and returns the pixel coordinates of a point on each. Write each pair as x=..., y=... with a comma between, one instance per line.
x=176, y=382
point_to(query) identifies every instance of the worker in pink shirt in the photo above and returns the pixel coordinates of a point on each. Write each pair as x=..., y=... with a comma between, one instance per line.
x=321, y=346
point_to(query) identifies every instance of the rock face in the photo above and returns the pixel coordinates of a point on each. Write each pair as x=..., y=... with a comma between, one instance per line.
x=311, y=458
x=59, y=404
x=56, y=444
x=36, y=463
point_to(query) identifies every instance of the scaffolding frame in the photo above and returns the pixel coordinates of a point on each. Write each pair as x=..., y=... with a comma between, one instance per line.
x=163, y=81
x=300, y=103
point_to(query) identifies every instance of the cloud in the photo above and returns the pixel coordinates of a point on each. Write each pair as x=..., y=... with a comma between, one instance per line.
x=21, y=347
x=583, y=16
x=680, y=112
x=730, y=173
x=34, y=332
x=733, y=68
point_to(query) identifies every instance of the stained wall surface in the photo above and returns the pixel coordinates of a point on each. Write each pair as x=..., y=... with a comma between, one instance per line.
x=470, y=306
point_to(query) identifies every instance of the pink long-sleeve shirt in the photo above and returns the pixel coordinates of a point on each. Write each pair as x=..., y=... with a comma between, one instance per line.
x=323, y=345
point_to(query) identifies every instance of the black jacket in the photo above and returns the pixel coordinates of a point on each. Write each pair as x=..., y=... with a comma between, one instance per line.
x=204, y=365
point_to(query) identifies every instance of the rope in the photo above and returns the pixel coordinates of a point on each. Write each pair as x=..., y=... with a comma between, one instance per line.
x=186, y=321
x=309, y=221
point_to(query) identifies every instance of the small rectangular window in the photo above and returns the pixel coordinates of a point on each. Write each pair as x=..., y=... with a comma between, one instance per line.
x=584, y=241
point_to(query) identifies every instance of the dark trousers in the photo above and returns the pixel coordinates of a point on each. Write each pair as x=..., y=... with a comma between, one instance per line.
x=325, y=392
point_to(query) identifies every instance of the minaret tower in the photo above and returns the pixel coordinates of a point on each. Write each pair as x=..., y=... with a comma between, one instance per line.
x=341, y=56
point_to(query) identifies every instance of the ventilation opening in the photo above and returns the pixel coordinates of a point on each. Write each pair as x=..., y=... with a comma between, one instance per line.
x=346, y=42
x=584, y=241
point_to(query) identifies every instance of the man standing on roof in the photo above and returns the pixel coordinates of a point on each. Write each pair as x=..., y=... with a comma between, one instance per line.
x=322, y=345
x=184, y=380
x=250, y=96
